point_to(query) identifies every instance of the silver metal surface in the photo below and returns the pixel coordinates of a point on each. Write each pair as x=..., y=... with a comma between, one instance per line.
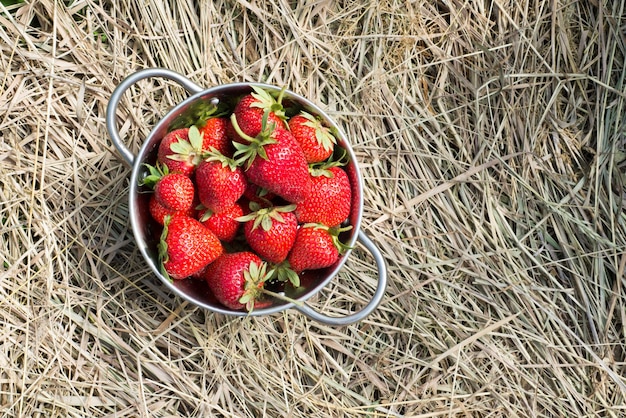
x=143, y=227
x=373, y=303
x=116, y=96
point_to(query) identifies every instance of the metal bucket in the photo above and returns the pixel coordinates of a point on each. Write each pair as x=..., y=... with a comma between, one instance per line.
x=196, y=291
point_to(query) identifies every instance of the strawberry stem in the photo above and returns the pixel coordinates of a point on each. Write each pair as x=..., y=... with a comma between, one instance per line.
x=265, y=101
x=334, y=233
x=233, y=120
x=282, y=297
x=281, y=95
x=249, y=152
x=255, y=278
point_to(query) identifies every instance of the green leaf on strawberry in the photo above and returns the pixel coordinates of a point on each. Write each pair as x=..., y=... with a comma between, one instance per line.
x=198, y=113
x=214, y=155
x=237, y=280
x=265, y=216
x=270, y=232
x=323, y=134
x=322, y=168
x=284, y=273
x=255, y=147
x=162, y=248
x=190, y=150
x=155, y=173
x=334, y=232
x=265, y=101
x=254, y=278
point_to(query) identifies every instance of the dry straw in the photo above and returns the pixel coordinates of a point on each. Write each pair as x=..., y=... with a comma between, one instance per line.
x=491, y=136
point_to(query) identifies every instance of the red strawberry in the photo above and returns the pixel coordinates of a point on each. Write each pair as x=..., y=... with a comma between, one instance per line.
x=258, y=194
x=186, y=247
x=223, y=224
x=237, y=280
x=220, y=182
x=165, y=151
x=316, y=246
x=214, y=136
x=175, y=191
x=231, y=133
x=235, y=137
x=270, y=232
x=275, y=161
x=329, y=201
x=250, y=111
x=183, y=149
x=159, y=212
x=316, y=140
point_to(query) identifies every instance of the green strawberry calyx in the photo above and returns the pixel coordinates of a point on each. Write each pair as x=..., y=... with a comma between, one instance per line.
x=199, y=113
x=254, y=282
x=247, y=153
x=268, y=103
x=284, y=273
x=323, y=134
x=213, y=155
x=207, y=112
x=255, y=277
x=189, y=151
x=334, y=233
x=322, y=168
x=162, y=247
x=264, y=217
x=155, y=174
x=205, y=213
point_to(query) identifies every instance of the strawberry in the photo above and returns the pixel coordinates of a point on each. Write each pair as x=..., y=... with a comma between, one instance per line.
x=214, y=136
x=258, y=194
x=232, y=134
x=250, y=110
x=270, y=232
x=183, y=149
x=274, y=160
x=316, y=140
x=237, y=280
x=174, y=191
x=165, y=151
x=223, y=224
x=159, y=212
x=186, y=247
x=329, y=201
x=220, y=182
x=316, y=246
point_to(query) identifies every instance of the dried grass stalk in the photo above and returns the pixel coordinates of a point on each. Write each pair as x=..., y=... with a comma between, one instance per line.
x=492, y=141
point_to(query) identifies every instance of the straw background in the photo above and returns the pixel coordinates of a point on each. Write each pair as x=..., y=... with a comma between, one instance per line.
x=492, y=139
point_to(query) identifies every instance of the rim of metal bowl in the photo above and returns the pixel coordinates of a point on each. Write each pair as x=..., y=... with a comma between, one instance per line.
x=160, y=128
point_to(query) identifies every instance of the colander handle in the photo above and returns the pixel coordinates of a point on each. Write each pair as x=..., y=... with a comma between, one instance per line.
x=373, y=303
x=116, y=96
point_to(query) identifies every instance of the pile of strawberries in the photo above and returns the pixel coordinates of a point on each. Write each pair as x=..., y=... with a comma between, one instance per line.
x=249, y=197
